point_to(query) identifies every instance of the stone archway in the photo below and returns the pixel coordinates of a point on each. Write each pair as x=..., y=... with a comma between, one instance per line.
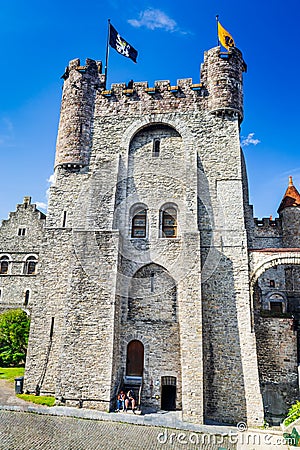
x=261, y=260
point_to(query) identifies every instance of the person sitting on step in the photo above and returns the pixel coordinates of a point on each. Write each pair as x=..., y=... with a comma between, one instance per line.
x=130, y=400
x=121, y=401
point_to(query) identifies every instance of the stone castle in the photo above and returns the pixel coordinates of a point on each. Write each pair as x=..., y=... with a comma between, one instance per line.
x=149, y=269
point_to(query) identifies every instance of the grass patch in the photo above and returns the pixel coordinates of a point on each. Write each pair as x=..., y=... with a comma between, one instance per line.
x=39, y=399
x=10, y=373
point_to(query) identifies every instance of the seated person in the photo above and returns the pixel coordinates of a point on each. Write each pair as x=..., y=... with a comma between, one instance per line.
x=121, y=401
x=130, y=400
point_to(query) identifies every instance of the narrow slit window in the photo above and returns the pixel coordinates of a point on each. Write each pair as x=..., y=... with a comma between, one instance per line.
x=139, y=222
x=152, y=282
x=52, y=327
x=26, y=298
x=64, y=219
x=21, y=231
x=156, y=147
x=169, y=223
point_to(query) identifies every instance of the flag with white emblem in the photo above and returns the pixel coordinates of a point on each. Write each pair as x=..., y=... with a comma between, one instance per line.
x=120, y=45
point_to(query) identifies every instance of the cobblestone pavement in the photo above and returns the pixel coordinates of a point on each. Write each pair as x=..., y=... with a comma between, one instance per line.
x=27, y=431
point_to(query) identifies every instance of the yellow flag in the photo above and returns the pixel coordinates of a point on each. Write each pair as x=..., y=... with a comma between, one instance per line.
x=224, y=37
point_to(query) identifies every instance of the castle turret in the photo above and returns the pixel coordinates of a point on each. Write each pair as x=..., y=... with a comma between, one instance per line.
x=289, y=212
x=77, y=106
x=222, y=75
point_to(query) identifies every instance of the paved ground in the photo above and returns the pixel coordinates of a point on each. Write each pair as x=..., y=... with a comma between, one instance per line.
x=7, y=395
x=24, y=426
x=25, y=431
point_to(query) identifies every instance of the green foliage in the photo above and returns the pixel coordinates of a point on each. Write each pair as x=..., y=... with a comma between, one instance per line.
x=14, y=332
x=10, y=373
x=40, y=400
x=293, y=414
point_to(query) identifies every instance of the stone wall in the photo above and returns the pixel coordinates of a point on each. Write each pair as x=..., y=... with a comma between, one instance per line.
x=267, y=233
x=277, y=360
x=21, y=236
x=105, y=167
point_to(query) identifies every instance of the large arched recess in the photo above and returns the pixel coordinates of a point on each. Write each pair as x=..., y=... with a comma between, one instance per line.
x=152, y=295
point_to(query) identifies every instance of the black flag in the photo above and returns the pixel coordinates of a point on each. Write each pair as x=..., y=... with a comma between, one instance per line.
x=119, y=44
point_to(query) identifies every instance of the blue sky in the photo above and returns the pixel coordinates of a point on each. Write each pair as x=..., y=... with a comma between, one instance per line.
x=39, y=38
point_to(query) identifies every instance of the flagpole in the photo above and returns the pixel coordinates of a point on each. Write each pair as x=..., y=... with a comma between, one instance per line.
x=217, y=20
x=107, y=53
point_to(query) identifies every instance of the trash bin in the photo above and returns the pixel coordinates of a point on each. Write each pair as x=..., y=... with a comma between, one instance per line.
x=19, y=385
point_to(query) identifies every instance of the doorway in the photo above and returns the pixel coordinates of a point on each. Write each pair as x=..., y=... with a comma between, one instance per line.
x=168, y=393
x=135, y=359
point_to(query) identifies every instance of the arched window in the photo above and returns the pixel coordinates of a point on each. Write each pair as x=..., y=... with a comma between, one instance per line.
x=30, y=265
x=4, y=265
x=169, y=222
x=277, y=303
x=139, y=223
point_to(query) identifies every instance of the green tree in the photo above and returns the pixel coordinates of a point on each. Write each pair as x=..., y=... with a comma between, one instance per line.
x=14, y=332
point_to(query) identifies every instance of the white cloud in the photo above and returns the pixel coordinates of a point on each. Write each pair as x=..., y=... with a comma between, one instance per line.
x=50, y=180
x=249, y=140
x=154, y=18
x=41, y=205
x=44, y=205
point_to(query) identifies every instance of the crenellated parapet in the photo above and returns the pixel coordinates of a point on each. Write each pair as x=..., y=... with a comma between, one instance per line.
x=159, y=97
x=267, y=223
x=85, y=96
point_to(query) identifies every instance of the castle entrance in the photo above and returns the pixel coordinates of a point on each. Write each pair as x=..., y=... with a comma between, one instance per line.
x=168, y=393
x=135, y=359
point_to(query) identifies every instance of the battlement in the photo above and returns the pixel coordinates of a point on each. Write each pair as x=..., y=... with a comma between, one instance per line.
x=267, y=222
x=219, y=92
x=185, y=88
x=91, y=67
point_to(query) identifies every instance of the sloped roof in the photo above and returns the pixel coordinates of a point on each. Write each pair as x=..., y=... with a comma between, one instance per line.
x=290, y=198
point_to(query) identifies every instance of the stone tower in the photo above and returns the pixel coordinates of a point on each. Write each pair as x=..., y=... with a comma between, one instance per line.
x=145, y=264
x=289, y=212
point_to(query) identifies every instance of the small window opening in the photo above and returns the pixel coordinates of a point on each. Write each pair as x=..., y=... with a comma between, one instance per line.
x=272, y=283
x=52, y=327
x=152, y=282
x=64, y=219
x=21, y=231
x=26, y=299
x=4, y=264
x=156, y=147
x=169, y=223
x=0, y=294
x=139, y=224
x=276, y=307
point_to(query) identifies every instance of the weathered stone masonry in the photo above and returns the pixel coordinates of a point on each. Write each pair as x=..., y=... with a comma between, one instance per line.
x=170, y=310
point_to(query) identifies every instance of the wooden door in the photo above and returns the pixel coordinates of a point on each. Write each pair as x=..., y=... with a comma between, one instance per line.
x=135, y=359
